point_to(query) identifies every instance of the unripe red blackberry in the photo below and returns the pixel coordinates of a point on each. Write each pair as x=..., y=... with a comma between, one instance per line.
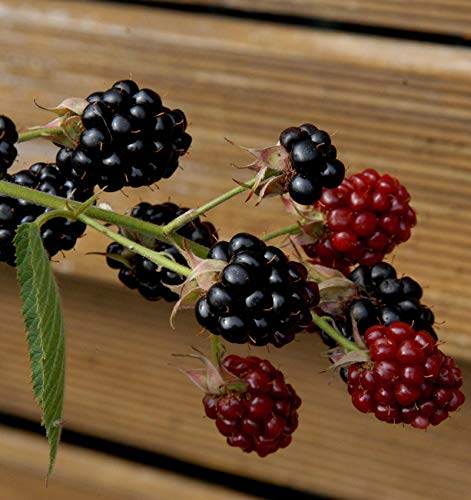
x=260, y=297
x=8, y=138
x=313, y=159
x=407, y=380
x=129, y=139
x=256, y=410
x=365, y=218
x=138, y=272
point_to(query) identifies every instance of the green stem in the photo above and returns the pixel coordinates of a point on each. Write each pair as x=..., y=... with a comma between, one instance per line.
x=156, y=257
x=333, y=334
x=53, y=214
x=293, y=229
x=39, y=133
x=196, y=212
x=47, y=200
x=217, y=348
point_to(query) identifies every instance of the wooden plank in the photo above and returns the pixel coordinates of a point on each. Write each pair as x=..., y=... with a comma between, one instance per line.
x=81, y=474
x=122, y=384
x=401, y=107
x=449, y=17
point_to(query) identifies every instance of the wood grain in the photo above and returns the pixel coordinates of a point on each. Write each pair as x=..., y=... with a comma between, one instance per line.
x=398, y=106
x=123, y=385
x=82, y=475
x=450, y=17
x=401, y=107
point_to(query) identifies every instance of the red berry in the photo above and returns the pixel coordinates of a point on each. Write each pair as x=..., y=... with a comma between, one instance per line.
x=386, y=373
x=382, y=348
x=409, y=352
x=260, y=417
x=414, y=374
x=366, y=217
x=362, y=401
x=420, y=422
x=406, y=394
x=344, y=241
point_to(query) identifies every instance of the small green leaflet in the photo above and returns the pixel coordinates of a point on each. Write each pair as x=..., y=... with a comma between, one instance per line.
x=42, y=314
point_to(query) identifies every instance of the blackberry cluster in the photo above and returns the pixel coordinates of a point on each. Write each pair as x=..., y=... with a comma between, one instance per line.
x=263, y=415
x=58, y=233
x=407, y=380
x=365, y=218
x=314, y=160
x=129, y=139
x=138, y=272
x=261, y=297
x=8, y=138
x=383, y=299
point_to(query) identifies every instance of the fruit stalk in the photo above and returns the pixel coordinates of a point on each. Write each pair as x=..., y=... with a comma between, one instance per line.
x=196, y=212
x=292, y=229
x=40, y=133
x=333, y=334
x=156, y=257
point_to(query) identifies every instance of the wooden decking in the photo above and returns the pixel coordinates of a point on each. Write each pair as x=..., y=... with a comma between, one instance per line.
x=395, y=105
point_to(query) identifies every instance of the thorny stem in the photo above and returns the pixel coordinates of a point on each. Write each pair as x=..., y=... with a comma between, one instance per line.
x=47, y=200
x=156, y=257
x=39, y=133
x=196, y=212
x=293, y=229
x=333, y=334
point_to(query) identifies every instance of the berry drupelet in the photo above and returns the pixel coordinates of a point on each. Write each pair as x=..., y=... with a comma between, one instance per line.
x=314, y=161
x=138, y=272
x=8, y=138
x=260, y=297
x=365, y=218
x=129, y=139
x=407, y=380
x=58, y=233
x=257, y=410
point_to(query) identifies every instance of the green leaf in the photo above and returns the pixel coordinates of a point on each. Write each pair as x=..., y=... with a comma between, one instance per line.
x=42, y=314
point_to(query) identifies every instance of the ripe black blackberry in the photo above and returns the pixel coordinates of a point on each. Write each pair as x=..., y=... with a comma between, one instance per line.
x=8, y=138
x=314, y=160
x=129, y=139
x=260, y=297
x=383, y=299
x=138, y=272
x=58, y=233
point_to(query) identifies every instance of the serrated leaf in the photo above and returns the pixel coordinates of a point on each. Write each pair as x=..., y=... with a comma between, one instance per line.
x=42, y=315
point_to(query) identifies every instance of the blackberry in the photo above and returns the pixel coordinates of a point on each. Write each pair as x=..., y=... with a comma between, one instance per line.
x=8, y=138
x=260, y=297
x=314, y=162
x=137, y=272
x=129, y=139
x=58, y=233
x=383, y=299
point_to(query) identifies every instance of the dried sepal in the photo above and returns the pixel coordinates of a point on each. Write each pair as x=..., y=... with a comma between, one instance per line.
x=273, y=169
x=208, y=378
